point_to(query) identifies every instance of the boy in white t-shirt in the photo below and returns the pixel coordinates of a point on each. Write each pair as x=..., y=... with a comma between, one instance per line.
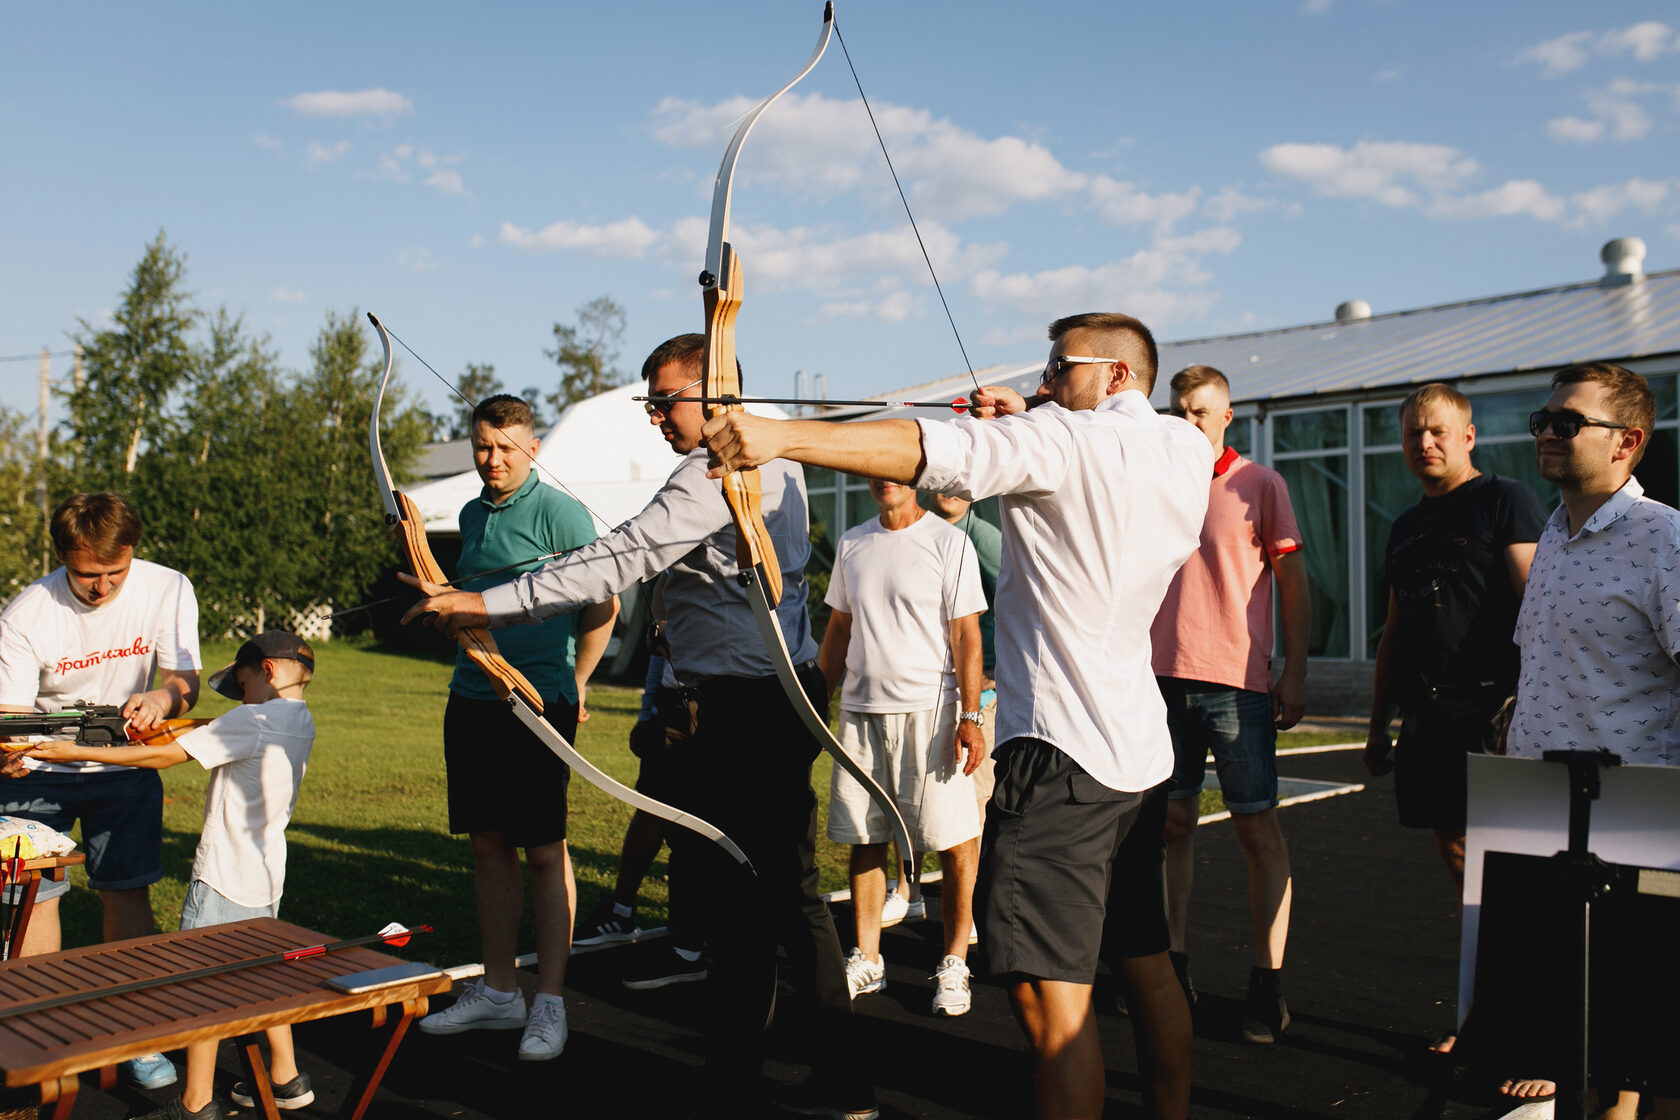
x=256, y=755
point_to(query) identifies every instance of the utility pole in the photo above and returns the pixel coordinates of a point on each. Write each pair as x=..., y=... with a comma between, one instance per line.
x=41, y=452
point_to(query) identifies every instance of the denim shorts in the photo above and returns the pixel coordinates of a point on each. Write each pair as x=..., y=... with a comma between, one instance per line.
x=1235, y=724
x=122, y=822
x=206, y=906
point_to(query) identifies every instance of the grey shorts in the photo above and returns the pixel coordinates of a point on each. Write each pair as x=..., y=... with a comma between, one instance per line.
x=1070, y=870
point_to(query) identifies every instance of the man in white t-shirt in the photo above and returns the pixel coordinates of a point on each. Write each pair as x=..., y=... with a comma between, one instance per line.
x=905, y=634
x=108, y=629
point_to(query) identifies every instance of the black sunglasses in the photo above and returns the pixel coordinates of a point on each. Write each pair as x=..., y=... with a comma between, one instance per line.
x=1564, y=425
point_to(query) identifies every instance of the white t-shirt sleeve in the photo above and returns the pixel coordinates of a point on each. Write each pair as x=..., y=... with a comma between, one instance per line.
x=962, y=578
x=20, y=665
x=177, y=645
x=228, y=738
x=836, y=596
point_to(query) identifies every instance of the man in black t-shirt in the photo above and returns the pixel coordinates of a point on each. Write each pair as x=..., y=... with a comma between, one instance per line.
x=1457, y=563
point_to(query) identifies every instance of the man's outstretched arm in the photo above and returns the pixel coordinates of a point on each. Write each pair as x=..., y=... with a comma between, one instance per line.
x=886, y=449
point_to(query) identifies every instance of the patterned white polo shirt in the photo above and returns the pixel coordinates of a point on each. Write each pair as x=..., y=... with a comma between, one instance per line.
x=1599, y=632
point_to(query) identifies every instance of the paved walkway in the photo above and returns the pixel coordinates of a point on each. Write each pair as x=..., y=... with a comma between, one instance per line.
x=1370, y=979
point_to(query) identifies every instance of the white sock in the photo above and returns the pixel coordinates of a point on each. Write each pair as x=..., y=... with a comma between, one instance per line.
x=689, y=955
x=499, y=997
x=622, y=911
x=543, y=997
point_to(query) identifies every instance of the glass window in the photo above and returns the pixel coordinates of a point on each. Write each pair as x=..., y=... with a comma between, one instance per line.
x=1390, y=490
x=1663, y=388
x=1309, y=431
x=1657, y=471
x=1318, y=491
x=1381, y=424
x=1240, y=435
x=1506, y=414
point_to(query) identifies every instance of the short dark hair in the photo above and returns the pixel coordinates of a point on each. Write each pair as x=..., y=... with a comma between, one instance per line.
x=504, y=410
x=1191, y=378
x=1629, y=397
x=686, y=348
x=103, y=523
x=1129, y=333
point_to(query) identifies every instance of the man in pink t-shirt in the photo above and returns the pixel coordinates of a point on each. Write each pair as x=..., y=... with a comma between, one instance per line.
x=1212, y=657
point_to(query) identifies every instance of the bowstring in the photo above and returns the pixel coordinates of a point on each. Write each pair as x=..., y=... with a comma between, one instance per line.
x=956, y=590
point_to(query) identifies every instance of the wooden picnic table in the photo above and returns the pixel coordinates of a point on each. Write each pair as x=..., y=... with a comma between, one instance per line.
x=51, y=1047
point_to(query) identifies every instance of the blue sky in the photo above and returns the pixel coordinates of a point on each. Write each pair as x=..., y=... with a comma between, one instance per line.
x=473, y=173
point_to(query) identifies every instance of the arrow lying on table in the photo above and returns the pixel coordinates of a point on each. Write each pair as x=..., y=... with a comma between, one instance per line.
x=394, y=934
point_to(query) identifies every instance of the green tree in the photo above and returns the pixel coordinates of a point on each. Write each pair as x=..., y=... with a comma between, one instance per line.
x=478, y=382
x=587, y=353
x=132, y=368
x=22, y=531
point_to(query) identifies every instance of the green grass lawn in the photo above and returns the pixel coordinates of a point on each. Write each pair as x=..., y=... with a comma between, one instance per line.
x=369, y=842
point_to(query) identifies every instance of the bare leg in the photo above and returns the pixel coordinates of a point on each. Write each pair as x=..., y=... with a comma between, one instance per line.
x=1162, y=1020
x=959, y=866
x=201, y=1075
x=499, y=890
x=44, y=934
x=282, y=1059
x=1269, y=883
x=1451, y=848
x=1180, y=831
x=126, y=913
x=642, y=840
x=869, y=892
x=554, y=905
x=1062, y=1031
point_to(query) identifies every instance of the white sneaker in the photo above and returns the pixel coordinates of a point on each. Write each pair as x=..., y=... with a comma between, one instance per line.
x=863, y=975
x=545, y=1030
x=951, y=996
x=973, y=934
x=894, y=909
x=916, y=910
x=473, y=1010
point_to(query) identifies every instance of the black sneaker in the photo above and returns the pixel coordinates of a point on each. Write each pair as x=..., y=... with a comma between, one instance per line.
x=662, y=967
x=606, y=927
x=1266, y=1014
x=810, y=1099
x=295, y=1093
x=175, y=1110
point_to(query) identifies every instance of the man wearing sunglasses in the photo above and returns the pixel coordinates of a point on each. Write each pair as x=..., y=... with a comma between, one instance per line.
x=1599, y=629
x=1102, y=500
x=1600, y=626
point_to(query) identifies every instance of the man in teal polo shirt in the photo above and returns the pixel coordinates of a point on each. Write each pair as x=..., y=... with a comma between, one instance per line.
x=506, y=789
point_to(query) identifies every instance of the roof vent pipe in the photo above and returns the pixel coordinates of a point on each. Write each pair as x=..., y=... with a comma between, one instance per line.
x=1624, y=260
x=1352, y=309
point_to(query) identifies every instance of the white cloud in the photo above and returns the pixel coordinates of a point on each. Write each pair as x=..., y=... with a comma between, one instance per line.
x=317, y=154
x=811, y=259
x=1386, y=75
x=818, y=145
x=1645, y=41
x=897, y=307
x=1574, y=130
x=1389, y=172
x=1230, y=202
x=476, y=240
x=285, y=295
x=1122, y=204
x=446, y=182
x=266, y=142
x=360, y=103
x=630, y=237
x=1316, y=7
x=1518, y=196
x=417, y=261
x=1603, y=203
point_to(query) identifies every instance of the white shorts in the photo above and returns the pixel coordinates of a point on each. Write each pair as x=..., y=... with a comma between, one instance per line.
x=913, y=756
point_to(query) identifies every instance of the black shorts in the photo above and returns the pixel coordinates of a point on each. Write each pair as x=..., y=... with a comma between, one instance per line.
x=1070, y=870
x=1435, y=737
x=502, y=778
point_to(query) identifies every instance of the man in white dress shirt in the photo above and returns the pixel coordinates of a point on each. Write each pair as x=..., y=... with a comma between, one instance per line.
x=1102, y=500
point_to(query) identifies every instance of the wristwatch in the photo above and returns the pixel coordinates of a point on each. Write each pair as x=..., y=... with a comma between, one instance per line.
x=978, y=719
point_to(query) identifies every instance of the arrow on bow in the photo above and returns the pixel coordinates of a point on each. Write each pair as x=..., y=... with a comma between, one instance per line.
x=509, y=683
x=760, y=572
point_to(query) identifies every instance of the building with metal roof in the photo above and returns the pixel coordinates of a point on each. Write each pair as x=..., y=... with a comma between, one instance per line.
x=1318, y=404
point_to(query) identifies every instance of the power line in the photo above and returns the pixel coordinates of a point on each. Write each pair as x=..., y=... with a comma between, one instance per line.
x=35, y=357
